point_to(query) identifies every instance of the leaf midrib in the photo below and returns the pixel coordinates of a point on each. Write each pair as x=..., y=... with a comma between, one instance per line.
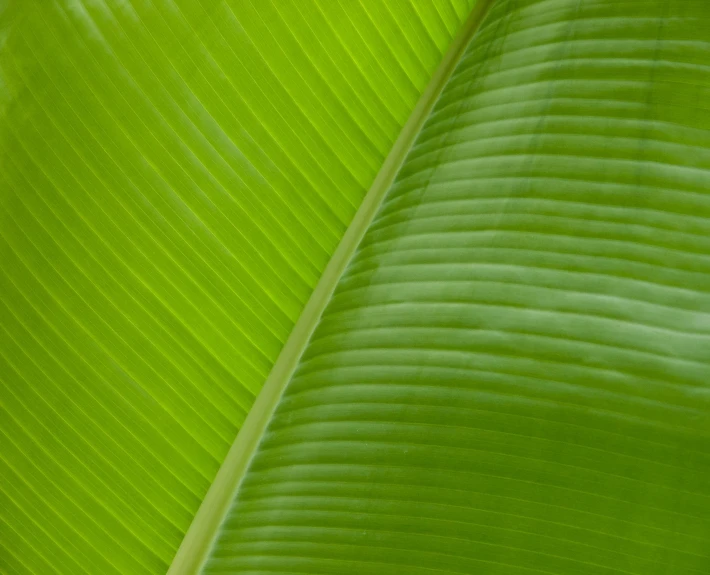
x=204, y=529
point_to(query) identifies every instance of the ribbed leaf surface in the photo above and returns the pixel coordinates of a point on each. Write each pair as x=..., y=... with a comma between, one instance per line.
x=513, y=375
x=175, y=174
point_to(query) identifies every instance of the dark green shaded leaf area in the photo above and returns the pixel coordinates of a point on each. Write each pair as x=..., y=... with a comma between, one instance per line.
x=513, y=374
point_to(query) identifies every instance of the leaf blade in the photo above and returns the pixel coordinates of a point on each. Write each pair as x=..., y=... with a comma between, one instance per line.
x=175, y=178
x=512, y=374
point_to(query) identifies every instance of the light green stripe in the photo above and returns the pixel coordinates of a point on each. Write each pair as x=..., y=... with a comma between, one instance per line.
x=195, y=547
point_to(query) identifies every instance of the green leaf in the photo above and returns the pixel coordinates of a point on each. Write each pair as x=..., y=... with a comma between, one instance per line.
x=509, y=376
x=512, y=375
x=175, y=177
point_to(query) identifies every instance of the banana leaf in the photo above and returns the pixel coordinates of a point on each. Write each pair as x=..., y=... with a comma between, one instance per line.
x=342, y=287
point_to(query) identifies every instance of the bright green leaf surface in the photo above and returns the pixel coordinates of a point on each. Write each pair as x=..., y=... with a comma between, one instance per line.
x=513, y=375
x=174, y=177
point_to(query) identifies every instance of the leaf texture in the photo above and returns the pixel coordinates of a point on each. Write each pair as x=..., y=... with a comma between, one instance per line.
x=512, y=376
x=175, y=176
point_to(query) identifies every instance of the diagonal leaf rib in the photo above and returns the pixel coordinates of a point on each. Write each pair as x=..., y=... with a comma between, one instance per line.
x=176, y=175
x=204, y=529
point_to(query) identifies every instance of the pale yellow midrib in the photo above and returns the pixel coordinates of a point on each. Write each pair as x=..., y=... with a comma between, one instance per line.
x=202, y=533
